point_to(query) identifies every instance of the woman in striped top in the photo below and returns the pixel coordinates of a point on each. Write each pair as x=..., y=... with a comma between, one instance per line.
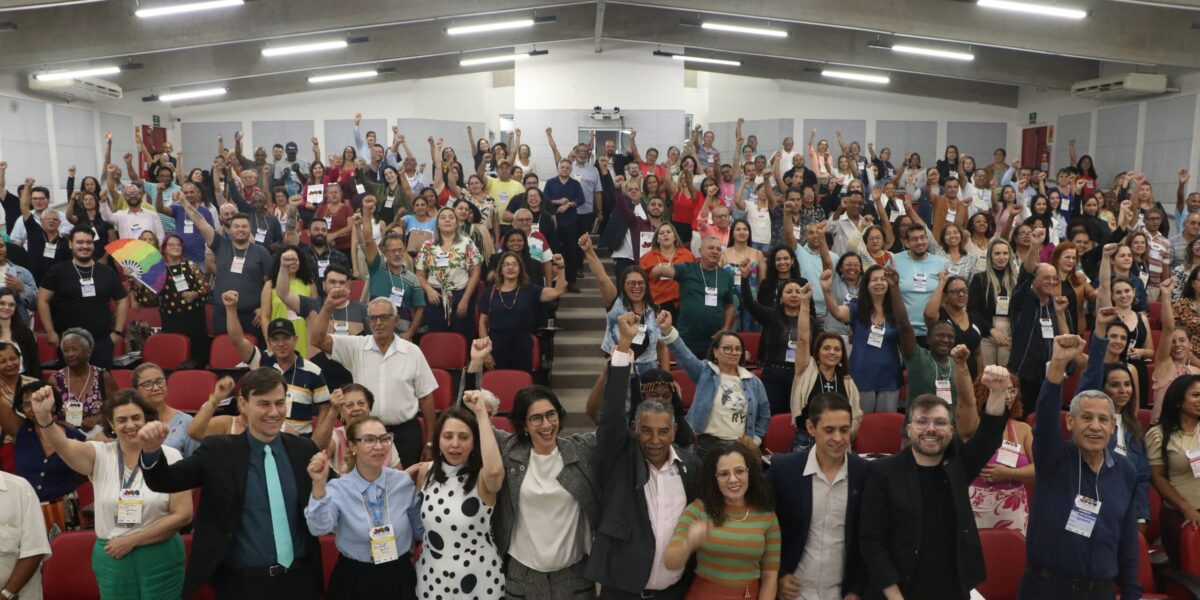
x=732, y=527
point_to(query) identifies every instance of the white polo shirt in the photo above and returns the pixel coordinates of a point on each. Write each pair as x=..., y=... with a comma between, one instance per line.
x=22, y=531
x=397, y=376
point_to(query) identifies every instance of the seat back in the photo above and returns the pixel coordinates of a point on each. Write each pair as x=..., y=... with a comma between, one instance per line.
x=503, y=423
x=167, y=350
x=879, y=433
x=751, y=340
x=780, y=432
x=1189, y=550
x=47, y=353
x=189, y=389
x=68, y=571
x=122, y=377
x=444, y=350
x=443, y=396
x=505, y=383
x=687, y=388
x=1062, y=421
x=224, y=355
x=1145, y=569
x=1004, y=558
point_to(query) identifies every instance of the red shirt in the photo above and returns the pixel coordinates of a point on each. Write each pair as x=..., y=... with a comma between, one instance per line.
x=341, y=217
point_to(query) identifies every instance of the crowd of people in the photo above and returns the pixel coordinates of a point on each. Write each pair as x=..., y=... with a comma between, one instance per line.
x=831, y=287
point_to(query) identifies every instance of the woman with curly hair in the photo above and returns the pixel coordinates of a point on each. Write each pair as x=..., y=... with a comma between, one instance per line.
x=731, y=527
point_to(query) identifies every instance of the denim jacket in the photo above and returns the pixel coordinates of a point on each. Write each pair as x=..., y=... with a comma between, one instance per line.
x=648, y=359
x=707, y=377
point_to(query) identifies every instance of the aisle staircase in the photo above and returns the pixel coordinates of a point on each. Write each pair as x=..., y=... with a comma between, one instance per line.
x=577, y=357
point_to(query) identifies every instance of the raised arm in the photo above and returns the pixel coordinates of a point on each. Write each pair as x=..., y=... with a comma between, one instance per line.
x=965, y=406
x=933, y=307
x=198, y=427
x=553, y=146
x=804, y=332
x=234, y=326
x=1104, y=295
x=80, y=456
x=840, y=311
x=842, y=144
x=908, y=337
x=206, y=231
x=608, y=291
x=135, y=176
x=1180, y=192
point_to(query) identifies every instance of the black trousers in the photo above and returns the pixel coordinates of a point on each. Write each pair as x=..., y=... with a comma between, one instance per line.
x=299, y=583
x=192, y=324
x=408, y=441
x=568, y=229
x=1036, y=586
x=777, y=380
x=675, y=592
x=354, y=580
x=1030, y=388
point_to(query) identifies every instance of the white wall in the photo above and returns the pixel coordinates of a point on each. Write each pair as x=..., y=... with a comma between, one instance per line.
x=574, y=76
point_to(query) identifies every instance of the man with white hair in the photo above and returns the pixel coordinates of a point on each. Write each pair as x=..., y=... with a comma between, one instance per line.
x=393, y=368
x=1083, y=536
x=44, y=242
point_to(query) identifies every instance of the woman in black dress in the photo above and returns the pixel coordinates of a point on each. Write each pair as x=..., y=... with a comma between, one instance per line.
x=509, y=311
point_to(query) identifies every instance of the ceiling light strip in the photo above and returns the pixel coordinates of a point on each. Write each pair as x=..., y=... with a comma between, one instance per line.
x=852, y=76
x=162, y=11
x=60, y=75
x=189, y=95
x=779, y=33
x=488, y=60
x=303, y=48
x=344, y=76
x=486, y=27
x=934, y=52
x=1035, y=9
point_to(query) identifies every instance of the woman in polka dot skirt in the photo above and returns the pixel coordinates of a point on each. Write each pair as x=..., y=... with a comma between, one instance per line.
x=459, y=560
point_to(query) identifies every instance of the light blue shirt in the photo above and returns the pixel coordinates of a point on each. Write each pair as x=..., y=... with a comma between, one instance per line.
x=344, y=511
x=588, y=177
x=178, y=437
x=810, y=269
x=914, y=301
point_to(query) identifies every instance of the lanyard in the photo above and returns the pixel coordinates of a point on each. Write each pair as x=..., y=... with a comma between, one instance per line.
x=378, y=510
x=1079, y=480
x=133, y=473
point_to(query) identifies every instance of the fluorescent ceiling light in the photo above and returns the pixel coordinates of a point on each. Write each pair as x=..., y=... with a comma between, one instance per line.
x=740, y=29
x=162, y=11
x=856, y=76
x=302, y=48
x=934, y=52
x=488, y=60
x=485, y=27
x=39, y=5
x=708, y=61
x=1035, y=9
x=202, y=93
x=343, y=76
x=60, y=75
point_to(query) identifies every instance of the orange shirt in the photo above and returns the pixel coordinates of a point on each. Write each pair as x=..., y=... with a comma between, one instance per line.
x=664, y=291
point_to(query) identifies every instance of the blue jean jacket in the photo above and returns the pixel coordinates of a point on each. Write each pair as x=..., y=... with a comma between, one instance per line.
x=707, y=378
x=1093, y=379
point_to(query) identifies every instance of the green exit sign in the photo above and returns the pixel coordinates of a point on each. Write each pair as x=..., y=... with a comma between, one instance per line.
x=1032, y=118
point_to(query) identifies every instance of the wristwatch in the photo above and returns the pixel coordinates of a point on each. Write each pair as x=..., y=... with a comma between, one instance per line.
x=8, y=595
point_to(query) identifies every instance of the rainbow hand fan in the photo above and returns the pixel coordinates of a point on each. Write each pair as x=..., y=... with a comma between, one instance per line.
x=140, y=260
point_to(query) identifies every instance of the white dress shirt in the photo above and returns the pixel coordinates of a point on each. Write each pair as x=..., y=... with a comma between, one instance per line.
x=820, y=568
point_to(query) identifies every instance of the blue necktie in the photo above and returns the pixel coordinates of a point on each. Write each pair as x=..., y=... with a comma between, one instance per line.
x=279, y=517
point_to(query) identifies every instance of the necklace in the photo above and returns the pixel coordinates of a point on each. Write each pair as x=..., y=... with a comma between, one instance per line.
x=508, y=306
x=744, y=517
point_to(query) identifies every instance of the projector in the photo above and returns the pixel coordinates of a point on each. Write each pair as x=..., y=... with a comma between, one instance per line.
x=602, y=114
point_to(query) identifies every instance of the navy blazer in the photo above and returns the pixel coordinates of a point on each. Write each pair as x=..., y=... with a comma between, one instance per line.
x=793, y=507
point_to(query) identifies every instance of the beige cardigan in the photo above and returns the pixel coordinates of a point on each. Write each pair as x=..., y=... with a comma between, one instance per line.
x=802, y=386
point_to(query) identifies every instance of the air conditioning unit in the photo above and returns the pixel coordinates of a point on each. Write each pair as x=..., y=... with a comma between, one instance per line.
x=86, y=89
x=1121, y=87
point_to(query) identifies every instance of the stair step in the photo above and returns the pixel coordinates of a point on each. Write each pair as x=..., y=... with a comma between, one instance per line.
x=578, y=344
x=581, y=319
x=590, y=300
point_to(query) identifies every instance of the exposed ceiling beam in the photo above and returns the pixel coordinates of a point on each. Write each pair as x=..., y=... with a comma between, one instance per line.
x=842, y=47
x=599, y=34
x=1113, y=31
x=109, y=30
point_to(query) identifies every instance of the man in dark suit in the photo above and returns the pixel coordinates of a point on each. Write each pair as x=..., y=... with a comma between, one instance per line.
x=828, y=480
x=917, y=534
x=251, y=539
x=647, y=484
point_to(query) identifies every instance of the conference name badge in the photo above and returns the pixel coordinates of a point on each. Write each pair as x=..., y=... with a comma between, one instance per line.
x=1083, y=516
x=129, y=507
x=383, y=544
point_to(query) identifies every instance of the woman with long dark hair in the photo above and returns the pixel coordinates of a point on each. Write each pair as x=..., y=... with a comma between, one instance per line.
x=667, y=249
x=779, y=267
x=821, y=368
x=631, y=295
x=875, y=363
x=1170, y=445
x=731, y=527
x=510, y=308
x=448, y=268
x=781, y=338
x=14, y=330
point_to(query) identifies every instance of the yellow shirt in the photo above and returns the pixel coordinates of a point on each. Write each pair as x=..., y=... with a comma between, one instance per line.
x=503, y=192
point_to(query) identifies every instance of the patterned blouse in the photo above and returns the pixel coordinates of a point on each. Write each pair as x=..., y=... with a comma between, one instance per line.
x=93, y=391
x=169, y=299
x=449, y=270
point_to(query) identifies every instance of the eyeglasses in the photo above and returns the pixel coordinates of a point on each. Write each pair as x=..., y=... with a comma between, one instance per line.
x=731, y=349
x=635, y=284
x=373, y=440
x=379, y=318
x=740, y=473
x=153, y=383
x=550, y=416
x=934, y=423
x=962, y=291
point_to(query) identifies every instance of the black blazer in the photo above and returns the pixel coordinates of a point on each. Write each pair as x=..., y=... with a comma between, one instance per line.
x=623, y=550
x=793, y=507
x=218, y=467
x=890, y=530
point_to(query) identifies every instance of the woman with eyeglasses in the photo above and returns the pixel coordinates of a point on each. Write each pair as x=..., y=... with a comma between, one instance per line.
x=83, y=386
x=949, y=303
x=138, y=551
x=459, y=558
x=877, y=241
x=182, y=298
x=548, y=506
x=730, y=402
x=349, y=403
x=150, y=383
x=633, y=296
x=666, y=249
x=33, y=458
x=732, y=529
x=374, y=513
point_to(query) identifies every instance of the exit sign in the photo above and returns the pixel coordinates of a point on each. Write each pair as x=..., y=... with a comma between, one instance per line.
x=1032, y=118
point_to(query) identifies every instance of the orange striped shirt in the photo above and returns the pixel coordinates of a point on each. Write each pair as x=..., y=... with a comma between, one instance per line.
x=737, y=552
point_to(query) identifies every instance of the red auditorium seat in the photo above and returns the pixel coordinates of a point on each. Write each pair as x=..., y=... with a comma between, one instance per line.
x=879, y=433
x=750, y=342
x=505, y=383
x=123, y=378
x=148, y=315
x=780, y=432
x=443, y=396
x=47, y=353
x=445, y=350
x=687, y=388
x=1004, y=559
x=67, y=574
x=189, y=389
x=1062, y=420
x=1146, y=571
x=167, y=350
x=329, y=557
x=223, y=355
x=503, y=423
x=1155, y=316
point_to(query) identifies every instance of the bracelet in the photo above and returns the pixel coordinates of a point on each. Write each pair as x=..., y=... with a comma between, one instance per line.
x=46, y=426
